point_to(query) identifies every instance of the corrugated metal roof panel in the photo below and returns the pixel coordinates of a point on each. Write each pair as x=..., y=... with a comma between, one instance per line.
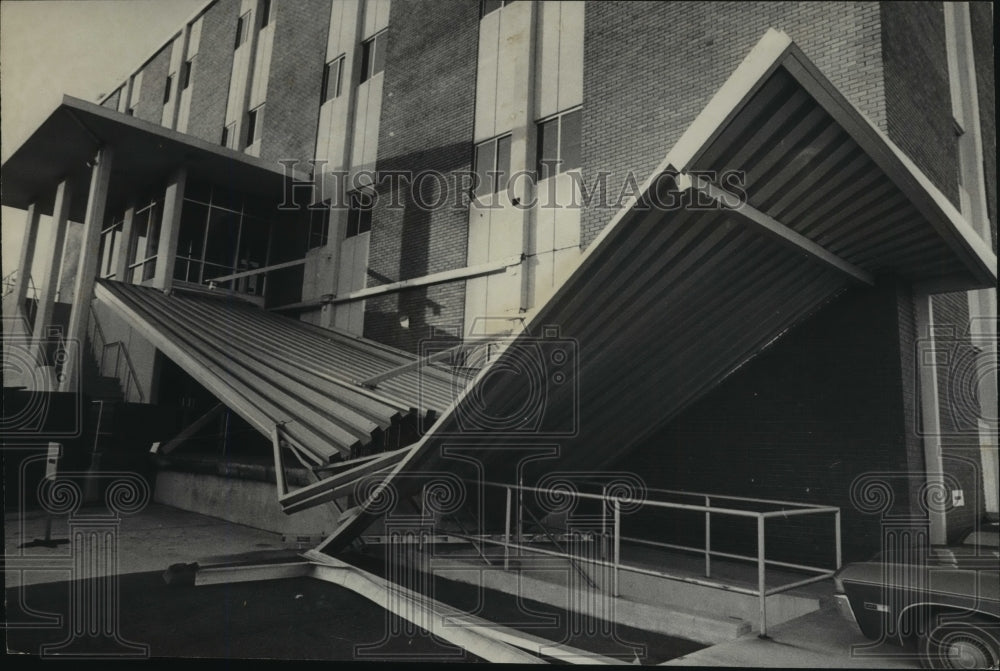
x=274, y=370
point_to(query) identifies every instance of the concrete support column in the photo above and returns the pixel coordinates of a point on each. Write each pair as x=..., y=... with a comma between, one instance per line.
x=983, y=331
x=86, y=272
x=50, y=280
x=125, y=245
x=20, y=292
x=930, y=412
x=166, y=251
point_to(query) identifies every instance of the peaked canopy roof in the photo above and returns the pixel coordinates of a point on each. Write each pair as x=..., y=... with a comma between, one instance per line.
x=669, y=301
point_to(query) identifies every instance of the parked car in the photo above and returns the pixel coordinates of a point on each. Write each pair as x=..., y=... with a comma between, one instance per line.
x=947, y=598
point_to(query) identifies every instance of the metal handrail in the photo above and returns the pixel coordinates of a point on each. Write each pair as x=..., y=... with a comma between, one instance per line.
x=131, y=377
x=615, y=564
x=552, y=540
x=10, y=280
x=97, y=332
x=727, y=497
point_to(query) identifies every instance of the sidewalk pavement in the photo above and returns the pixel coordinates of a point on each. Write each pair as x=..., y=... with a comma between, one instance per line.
x=159, y=536
x=822, y=639
x=149, y=541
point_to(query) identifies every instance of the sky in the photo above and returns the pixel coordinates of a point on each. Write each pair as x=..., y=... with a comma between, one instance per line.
x=84, y=48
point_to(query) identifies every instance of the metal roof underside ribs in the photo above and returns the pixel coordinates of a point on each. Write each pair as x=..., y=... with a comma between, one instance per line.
x=667, y=302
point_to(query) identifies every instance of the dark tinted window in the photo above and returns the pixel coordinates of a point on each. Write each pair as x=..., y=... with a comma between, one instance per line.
x=319, y=226
x=559, y=144
x=332, y=75
x=485, y=160
x=359, y=214
x=548, y=148
x=569, y=143
x=253, y=125
x=242, y=26
x=373, y=56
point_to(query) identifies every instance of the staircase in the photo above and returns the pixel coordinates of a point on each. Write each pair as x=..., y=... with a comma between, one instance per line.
x=97, y=386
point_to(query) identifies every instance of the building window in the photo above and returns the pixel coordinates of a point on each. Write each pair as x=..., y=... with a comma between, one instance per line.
x=145, y=243
x=359, y=214
x=254, y=119
x=222, y=232
x=265, y=12
x=492, y=163
x=242, y=30
x=108, y=254
x=373, y=56
x=487, y=6
x=319, y=225
x=559, y=144
x=130, y=111
x=228, y=135
x=332, y=76
x=166, y=89
x=186, y=75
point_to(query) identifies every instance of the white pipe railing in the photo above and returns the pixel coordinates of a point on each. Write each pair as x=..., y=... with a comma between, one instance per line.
x=615, y=503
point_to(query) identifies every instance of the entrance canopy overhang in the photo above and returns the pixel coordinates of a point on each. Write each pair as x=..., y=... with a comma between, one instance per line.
x=671, y=299
x=64, y=146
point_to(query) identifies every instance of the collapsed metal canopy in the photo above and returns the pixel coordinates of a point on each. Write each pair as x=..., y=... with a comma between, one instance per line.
x=667, y=302
x=278, y=372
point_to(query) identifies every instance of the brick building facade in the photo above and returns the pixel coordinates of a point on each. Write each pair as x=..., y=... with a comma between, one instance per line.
x=251, y=91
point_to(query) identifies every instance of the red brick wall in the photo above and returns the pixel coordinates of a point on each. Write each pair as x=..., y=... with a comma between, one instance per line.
x=824, y=405
x=212, y=70
x=918, y=97
x=291, y=112
x=154, y=81
x=982, y=44
x=650, y=68
x=428, y=106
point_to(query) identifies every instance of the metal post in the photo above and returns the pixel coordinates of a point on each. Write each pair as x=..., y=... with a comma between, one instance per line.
x=506, y=535
x=836, y=523
x=708, y=538
x=618, y=544
x=604, y=523
x=423, y=513
x=761, y=587
x=520, y=511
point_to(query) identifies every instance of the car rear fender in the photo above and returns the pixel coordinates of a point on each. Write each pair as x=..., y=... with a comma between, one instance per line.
x=932, y=608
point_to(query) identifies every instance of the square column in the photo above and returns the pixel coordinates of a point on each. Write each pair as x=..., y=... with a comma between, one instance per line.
x=86, y=271
x=170, y=225
x=930, y=413
x=121, y=263
x=20, y=292
x=50, y=280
